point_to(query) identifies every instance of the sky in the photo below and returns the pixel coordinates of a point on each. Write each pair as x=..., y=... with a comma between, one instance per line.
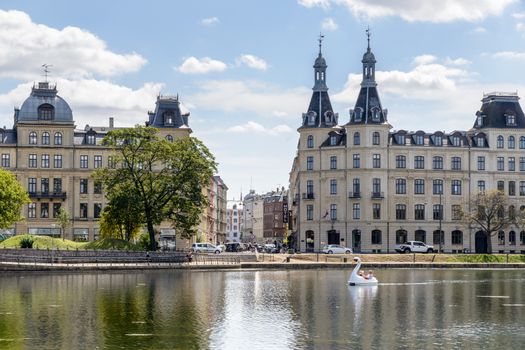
x=244, y=68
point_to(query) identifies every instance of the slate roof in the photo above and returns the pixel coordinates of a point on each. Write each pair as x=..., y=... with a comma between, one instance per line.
x=495, y=108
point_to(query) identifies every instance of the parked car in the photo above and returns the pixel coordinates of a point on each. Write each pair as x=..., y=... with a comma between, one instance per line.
x=414, y=247
x=205, y=248
x=234, y=247
x=270, y=248
x=336, y=249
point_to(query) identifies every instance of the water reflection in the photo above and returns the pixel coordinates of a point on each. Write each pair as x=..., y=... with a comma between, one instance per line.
x=410, y=309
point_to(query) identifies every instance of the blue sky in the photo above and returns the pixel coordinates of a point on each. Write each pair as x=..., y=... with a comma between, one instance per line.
x=244, y=68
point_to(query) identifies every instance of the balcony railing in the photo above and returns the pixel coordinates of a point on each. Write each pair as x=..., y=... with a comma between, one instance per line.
x=354, y=194
x=378, y=195
x=308, y=196
x=60, y=195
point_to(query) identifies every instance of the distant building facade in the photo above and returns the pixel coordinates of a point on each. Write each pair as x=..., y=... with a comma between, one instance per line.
x=54, y=161
x=366, y=186
x=234, y=221
x=275, y=219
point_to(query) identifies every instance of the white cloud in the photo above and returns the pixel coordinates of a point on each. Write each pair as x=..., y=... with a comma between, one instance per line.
x=253, y=127
x=329, y=24
x=519, y=15
x=520, y=27
x=509, y=55
x=424, y=59
x=253, y=62
x=280, y=114
x=458, y=61
x=419, y=11
x=250, y=96
x=193, y=65
x=209, y=21
x=93, y=101
x=479, y=30
x=73, y=52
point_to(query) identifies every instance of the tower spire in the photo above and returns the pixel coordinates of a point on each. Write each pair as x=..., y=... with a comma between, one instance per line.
x=321, y=37
x=368, y=37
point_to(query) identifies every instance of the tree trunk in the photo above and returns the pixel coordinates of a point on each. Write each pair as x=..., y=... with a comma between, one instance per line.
x=489, y=243
x=151, y=231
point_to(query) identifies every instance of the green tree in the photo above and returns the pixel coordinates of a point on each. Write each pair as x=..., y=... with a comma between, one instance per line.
x=63, y=221
x=122, y=217
x=12, y=197
x=490, y=213
x=167, y=178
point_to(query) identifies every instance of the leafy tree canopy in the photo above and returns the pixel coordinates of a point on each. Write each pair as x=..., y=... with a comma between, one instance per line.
x=12, y=197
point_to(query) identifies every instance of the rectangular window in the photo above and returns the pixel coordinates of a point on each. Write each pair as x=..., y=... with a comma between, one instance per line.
x=419, y=186
x=31, y=185
x=57, y=185
x=356, y=187
x=437, y=162
x=44, y=210
x=512, y=188
x=401, y=162
x=456, y=163
x=481, y=163
x=522, y=163
x=83, y=210
x=83, y=186
x=512, y=164
x=376, y=211
x=437, y=212
x=419, y=212
x=84, y=161
x=57, y=161
x=481, y=186
x=376, y=237
x=111, y=162
x=32, y=161
x=309, y=163
x=333, y=211
x=376, y=187
x=309, y=212
x=376, y=161
x=97, y=187
x=310, y=187
x=45, y=161
x=6, y=162
x=501, y=238
x=97, y=163
x=97, y=209
x=522, y=188
x=31, y=210
x=401, y=186
x=356, y=161
x=437, y=187
x=333, y=186
x=500, y=164
x=501, y=186
x=356, y=211
x=333, y=162
x=401, y=212
x=419, y=162
x=456, y=212
x=56, y=209
x=456, y=187
x=44, y=185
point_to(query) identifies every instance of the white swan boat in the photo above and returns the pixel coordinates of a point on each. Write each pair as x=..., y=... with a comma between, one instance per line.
x=356, y=280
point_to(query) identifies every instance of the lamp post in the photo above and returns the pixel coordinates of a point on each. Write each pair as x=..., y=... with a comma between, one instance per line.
x=440, y=218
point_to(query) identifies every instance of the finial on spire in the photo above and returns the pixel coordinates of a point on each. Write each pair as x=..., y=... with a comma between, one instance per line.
x=368, y=36
x=321, y=37
x=46, y=69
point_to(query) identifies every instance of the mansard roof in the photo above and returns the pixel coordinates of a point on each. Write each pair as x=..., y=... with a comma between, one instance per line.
x=169, y=113
x=44, y=94
x=500, y=110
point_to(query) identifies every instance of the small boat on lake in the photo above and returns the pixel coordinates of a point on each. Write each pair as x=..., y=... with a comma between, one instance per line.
x=359, y=280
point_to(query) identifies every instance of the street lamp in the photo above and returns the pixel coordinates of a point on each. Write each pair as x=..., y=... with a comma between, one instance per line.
x=440, y=218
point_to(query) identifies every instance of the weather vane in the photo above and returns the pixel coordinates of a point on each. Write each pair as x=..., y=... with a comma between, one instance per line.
x=46, y=69
x=321, y=37
x=368, y=36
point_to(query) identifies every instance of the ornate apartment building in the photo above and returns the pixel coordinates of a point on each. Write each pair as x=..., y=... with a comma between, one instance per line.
x=366, y=186
x=54, y=161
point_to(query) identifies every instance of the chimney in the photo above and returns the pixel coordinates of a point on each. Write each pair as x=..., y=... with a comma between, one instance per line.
x=111, y=122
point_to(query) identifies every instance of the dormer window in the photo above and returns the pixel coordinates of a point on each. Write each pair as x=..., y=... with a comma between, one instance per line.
x=400, y=139
x=46, y=112
x=328, y=117
x=90, y=139
x=480, y=121
x=2, y=136
x=358, y=113
x=480, y=141
x=511, y=120
x=333, y=140
x=419, y=139
x=375, y=115
x=456, y=141
x=438, y=140
x=169, y=118
x=311, y=118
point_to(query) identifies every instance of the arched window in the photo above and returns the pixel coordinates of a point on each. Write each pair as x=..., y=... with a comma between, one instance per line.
x=401, y=236
x=420, y=235
x=46, y=112
x=357, y=139
x=45, y=138
x=169, y=138
x=376, y=237
x=512, y=238
x=522, y=142
x=376, y=138
x=499, y=142
x=310, y=141
x=58, y=138
x=511, y=142
x=522, y=237
x=32, y=138
x=457, y=237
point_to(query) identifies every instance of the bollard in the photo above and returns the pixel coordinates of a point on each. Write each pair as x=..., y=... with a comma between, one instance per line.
x=345, y=260
x=287, y=259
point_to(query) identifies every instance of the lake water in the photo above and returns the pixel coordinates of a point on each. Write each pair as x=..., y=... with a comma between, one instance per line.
x=301, y=309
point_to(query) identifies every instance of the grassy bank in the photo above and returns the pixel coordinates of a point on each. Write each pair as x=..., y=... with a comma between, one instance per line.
x=45, y=242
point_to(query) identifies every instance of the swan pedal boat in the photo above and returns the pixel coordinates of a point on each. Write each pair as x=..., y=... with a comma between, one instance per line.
x=356, y=280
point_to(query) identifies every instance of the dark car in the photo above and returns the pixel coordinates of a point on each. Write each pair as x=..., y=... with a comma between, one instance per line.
x=235, y=247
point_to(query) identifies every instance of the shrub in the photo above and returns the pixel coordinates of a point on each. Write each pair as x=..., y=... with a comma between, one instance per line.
x=26, y=242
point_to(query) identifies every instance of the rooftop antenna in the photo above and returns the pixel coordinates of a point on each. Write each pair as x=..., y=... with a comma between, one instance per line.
x=46, y=69
x=368, y=36
x=321, y=37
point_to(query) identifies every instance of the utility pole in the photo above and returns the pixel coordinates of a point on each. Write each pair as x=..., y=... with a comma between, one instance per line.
x=440, y=218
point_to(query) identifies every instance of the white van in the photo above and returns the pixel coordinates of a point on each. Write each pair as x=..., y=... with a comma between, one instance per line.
x=205, y=248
